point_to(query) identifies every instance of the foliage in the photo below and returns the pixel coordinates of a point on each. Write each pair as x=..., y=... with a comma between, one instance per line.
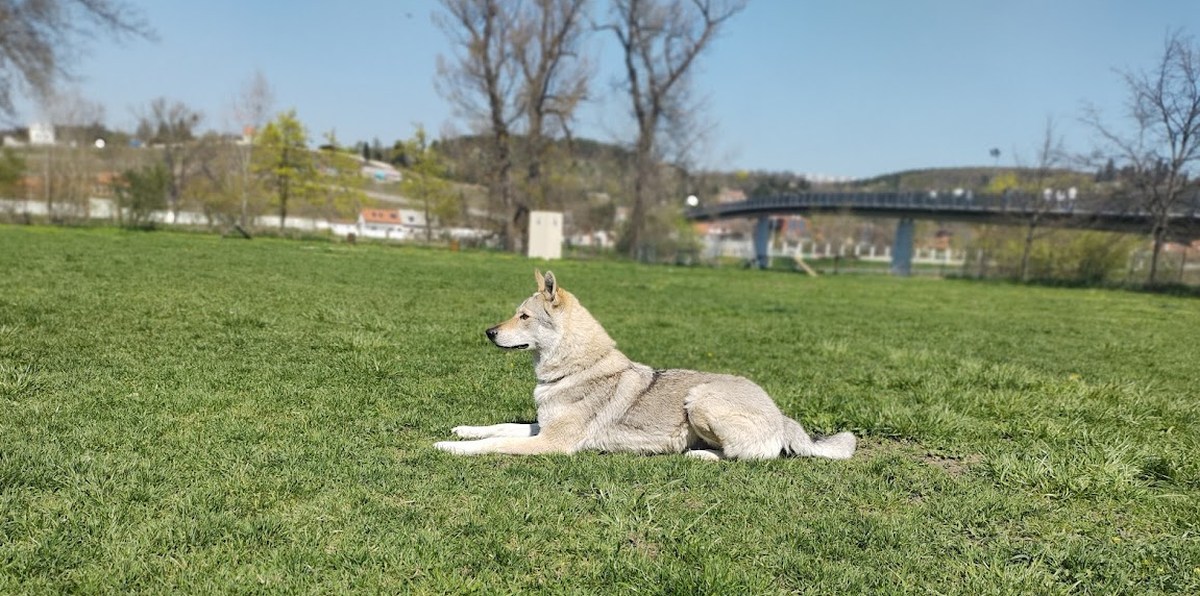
x=667, y=237
x=139, y=193
x=977, y=179
x=171, y=128
x=42, y=38
x=282, y=158
x=339, y=181
x=12, y=173
x=187, y=414
x=425, y=182
x=1066, y=255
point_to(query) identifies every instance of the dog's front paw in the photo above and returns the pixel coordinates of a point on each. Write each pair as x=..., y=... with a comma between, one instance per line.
x=470, y=432
x=455, y=447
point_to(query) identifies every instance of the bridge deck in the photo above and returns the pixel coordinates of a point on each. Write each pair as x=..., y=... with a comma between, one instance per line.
x=1010, y=209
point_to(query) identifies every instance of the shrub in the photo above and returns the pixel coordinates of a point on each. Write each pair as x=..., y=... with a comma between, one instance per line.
x=139, y=194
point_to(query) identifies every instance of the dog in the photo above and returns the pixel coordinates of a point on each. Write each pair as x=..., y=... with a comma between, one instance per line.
x=590, y=396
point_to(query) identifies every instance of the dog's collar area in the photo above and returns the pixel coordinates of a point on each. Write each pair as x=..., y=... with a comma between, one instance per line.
x=550, y=381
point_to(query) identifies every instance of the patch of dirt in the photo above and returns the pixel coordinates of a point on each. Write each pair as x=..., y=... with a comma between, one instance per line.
x=954, y=465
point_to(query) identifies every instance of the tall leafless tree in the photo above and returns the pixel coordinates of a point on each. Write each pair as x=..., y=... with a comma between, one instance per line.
x=251, y=109
x=482, y=80
x=39, y=40
x=70, y=166
x=661, y=40
x=1161, y=149
x=1036, y=197
x=170, y=127
x=549, y=47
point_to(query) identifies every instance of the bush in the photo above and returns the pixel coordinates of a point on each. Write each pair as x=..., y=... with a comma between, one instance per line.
x=139, y=194
x=1075, y=256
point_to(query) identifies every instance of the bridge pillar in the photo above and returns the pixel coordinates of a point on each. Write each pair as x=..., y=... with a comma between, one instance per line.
x=902, y=248
x=762, y=242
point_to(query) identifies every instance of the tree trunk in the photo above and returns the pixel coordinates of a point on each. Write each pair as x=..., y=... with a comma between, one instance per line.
x=283, y=201
x=641, y=187
x=1029, y=233
x=502, y=187
x=428, y=224
x=245, y=185
x=1159, y=233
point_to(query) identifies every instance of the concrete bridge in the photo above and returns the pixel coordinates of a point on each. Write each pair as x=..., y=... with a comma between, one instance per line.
x=1051, y=210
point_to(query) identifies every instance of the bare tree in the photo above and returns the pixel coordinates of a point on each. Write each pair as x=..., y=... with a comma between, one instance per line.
x=39, y=39
x=70, y=165
x=555, y=75
x=483, y=81
x=1037, y=198
x=1162, y=147
x=170, y=127
x=661, y=40
x=251, y=110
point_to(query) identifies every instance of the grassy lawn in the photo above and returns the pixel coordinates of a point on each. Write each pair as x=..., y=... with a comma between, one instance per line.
x=185, y=413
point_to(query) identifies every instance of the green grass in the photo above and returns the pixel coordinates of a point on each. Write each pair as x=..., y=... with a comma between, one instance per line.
x=185, y=413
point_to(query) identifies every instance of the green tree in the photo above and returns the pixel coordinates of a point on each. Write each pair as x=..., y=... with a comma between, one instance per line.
x=12, y=172
x=425, y=181
x=139, y=193
x=282, y=158
x=339, y=182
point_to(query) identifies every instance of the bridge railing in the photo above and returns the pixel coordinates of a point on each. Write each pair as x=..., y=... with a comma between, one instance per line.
x=1019, y=204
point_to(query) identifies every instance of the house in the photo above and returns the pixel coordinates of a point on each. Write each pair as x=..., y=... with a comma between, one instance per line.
x=390, y=224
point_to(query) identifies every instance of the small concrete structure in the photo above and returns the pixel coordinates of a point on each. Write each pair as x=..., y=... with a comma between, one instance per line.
x=545, y=234
x=41, y=134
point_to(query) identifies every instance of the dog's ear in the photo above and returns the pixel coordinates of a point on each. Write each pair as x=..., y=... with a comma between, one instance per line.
x=550, y=288
x=541, y=281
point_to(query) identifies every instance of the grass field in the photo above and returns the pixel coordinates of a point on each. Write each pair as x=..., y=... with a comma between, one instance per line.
x=190, y=414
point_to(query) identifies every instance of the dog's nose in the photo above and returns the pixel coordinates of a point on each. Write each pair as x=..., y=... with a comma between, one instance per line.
x=491, y=333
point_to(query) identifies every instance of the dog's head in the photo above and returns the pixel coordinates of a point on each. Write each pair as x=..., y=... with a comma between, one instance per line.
x=537, y=322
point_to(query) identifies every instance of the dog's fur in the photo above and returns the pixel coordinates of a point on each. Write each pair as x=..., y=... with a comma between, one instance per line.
x=590, y=396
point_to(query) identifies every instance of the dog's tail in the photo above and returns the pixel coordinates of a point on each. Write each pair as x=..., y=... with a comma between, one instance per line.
x=839, y=446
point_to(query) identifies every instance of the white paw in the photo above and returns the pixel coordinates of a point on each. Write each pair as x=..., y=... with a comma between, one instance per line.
x=704, y=454
x=455, y=447
x=469, y=432
x=445, y=446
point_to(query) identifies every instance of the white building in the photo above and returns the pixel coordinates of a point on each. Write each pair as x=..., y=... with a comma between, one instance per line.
x=41, y=133
x=390, y=224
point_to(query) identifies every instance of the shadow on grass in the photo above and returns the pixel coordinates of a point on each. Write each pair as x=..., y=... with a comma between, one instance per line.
x=1165, y=289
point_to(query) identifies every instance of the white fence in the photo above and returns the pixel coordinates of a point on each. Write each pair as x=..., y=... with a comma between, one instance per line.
x=808, y=249
x=105, y=209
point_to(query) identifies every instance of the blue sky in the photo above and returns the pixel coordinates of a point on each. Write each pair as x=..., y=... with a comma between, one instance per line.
x=850, y=88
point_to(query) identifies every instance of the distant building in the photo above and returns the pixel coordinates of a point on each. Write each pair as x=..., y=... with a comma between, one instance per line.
x=596, y=239
x=731, y=195
x=41, y=133
x=392, y=224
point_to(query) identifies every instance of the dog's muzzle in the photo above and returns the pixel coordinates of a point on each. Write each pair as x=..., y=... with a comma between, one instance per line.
x=494, y=331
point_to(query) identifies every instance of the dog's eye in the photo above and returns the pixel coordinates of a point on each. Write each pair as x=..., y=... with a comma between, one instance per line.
x=524, y=316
